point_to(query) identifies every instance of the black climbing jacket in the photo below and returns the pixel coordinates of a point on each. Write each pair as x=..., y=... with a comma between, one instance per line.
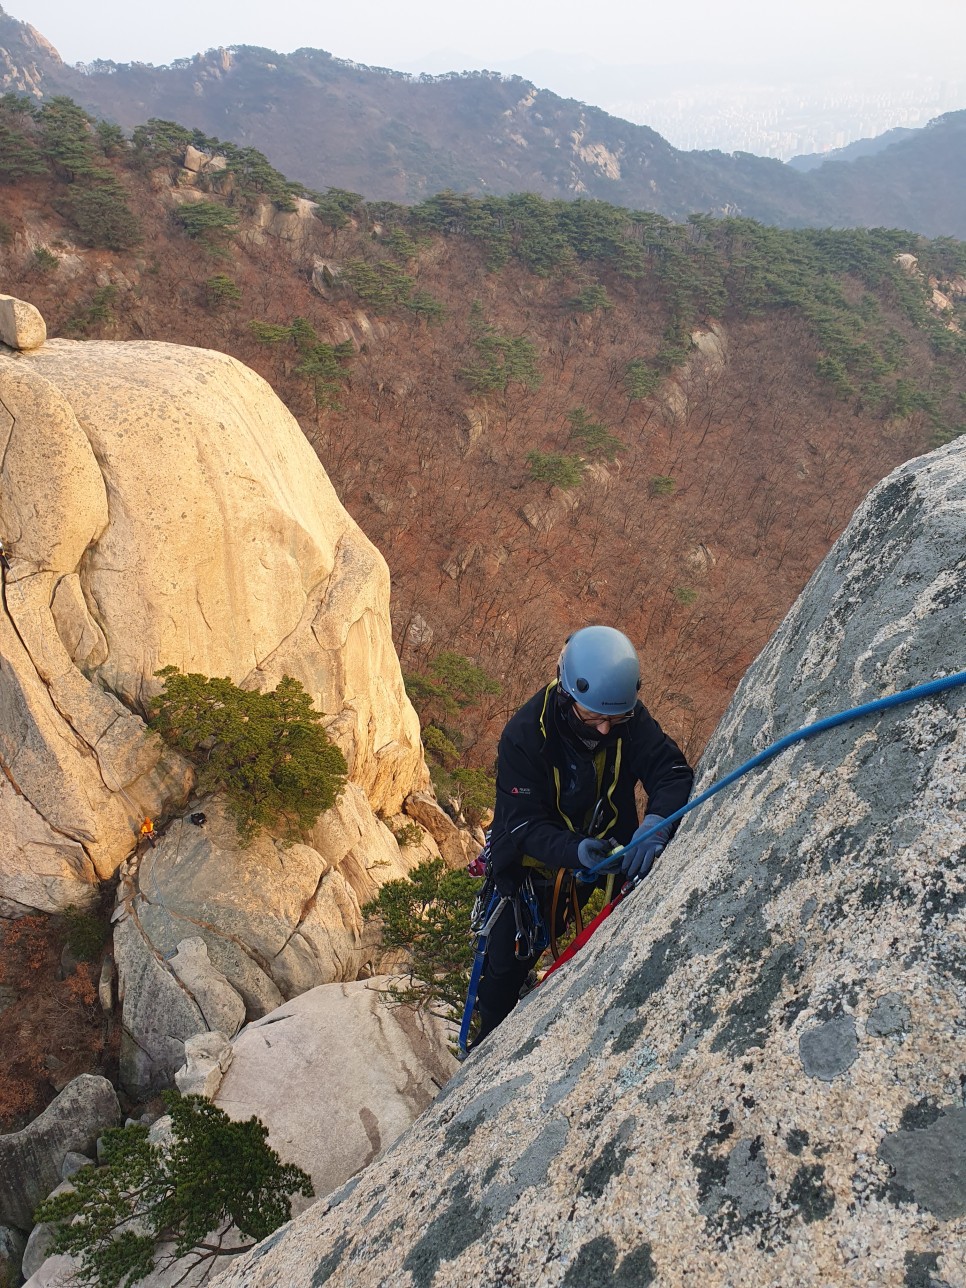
x=549, y=782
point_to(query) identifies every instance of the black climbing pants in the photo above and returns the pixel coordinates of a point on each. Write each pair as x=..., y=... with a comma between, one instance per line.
x=504, y=974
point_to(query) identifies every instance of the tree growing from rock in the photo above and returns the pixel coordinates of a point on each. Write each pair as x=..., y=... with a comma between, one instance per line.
x=218, y=1179
x=426, y=915
x=267, y=752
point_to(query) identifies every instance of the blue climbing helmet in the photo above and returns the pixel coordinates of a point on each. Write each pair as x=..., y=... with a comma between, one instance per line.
x=599, y=669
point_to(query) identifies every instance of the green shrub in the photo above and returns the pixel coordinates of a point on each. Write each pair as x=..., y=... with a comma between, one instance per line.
x=500, y=359
x=594, y=439
x=589, y=299
x=685, y=595
x=555, y=469
x=109, y=137
x=408, y=834
x=453, y=683
x=427, y=916
x=427, y=306
x=99, y=211
x=67, y=139
x=440, y=747
x=19, y=156
x=207, y=222
x=159, y=142
x=662, y=485
x=45, y=261
x=640, y=379
x=335, y=207
x=266, y=751
x=217, y=1175
x=383, y=286
x=477, y=792
x=86, y=933
x=401, y=244
x=98, y=311
x=222, y=291
x=323, y=364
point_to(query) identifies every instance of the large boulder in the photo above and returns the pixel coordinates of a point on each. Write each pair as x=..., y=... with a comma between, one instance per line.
x=751, y=1074
x=31, y=1159
x=161, y=506
x=336, y=1075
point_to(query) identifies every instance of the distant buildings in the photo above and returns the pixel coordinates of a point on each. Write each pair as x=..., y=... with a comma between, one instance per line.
x=789, y=118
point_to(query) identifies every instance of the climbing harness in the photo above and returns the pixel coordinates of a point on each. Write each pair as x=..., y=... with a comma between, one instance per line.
x=530, y=939
x=915, y=694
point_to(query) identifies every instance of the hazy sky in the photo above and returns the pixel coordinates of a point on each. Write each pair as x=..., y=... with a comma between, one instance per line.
x=926, y=36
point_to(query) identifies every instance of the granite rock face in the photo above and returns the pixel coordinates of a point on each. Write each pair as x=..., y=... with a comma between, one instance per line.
x=372, y=1068
x=31, y=1160
x=161, y=506
x=752, y=1073
x=209, y=932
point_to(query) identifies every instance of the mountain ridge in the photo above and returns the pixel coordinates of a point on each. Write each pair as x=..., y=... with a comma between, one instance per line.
x=329, y=122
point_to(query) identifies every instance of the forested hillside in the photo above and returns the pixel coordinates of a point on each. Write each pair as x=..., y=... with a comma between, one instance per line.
x=389, y=135
x=543, y=413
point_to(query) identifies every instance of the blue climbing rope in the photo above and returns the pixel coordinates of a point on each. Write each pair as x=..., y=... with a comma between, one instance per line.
x=807, y=731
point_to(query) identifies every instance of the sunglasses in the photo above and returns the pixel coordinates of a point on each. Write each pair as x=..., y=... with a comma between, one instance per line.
x=594, y=719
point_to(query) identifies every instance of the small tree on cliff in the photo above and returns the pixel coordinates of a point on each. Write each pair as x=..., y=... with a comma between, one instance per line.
x=426, y=915
x=267, y=752
x=217, y=1179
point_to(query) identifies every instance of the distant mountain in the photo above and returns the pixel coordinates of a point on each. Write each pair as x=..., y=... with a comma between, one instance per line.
x=389, y=135
x=851, y=151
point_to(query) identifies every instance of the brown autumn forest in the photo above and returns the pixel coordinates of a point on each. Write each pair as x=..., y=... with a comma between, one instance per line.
x=694, y=527
x=544, y=414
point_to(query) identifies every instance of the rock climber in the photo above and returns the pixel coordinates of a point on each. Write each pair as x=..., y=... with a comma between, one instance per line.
x=567, y=767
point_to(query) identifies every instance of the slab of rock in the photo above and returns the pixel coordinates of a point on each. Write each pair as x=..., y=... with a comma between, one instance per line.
x=648, y=1115
x=158, y=1013
x=457, y=846
x=31, y=1159
x=336, y=1075
x=207, y=1057
x=21, y=325
x=221, y=1006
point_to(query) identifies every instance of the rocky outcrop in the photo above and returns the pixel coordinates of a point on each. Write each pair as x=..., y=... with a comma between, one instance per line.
x=21, y=325
x=31, y=1160
x=356, y=1070
x=457, y=846
x=209, y=931
x=751, y=1074
x=162, y=506
x=207, y=1057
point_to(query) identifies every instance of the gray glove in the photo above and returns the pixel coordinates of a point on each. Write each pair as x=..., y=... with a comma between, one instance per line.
x=639, y=856
x=591, y=850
